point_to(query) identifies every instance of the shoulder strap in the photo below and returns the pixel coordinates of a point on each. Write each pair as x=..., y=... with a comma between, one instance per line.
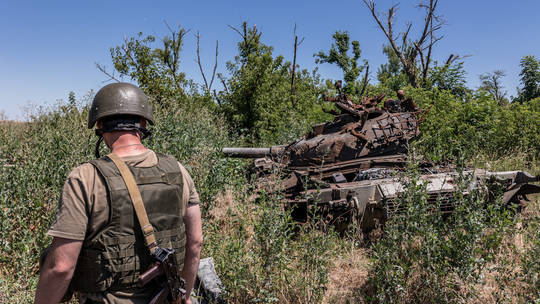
x=136, y=199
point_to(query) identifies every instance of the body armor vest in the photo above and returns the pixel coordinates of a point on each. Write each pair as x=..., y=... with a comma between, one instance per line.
x=115, y=257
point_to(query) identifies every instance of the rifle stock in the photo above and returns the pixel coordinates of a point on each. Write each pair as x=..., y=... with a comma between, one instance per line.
x=167, y=269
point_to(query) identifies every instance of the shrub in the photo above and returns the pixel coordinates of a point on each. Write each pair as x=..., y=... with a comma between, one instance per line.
x=462, y=129
x=262, y=256
x=428, y=257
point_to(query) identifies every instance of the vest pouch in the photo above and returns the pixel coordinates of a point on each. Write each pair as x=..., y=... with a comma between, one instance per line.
x=93, y=271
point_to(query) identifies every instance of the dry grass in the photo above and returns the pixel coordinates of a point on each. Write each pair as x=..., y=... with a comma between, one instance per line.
x=502, y=278
x=228, y=213
x=518, y=160
x=224, y=204
x=347, y=276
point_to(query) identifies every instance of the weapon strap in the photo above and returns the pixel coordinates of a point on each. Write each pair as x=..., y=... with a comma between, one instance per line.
x=136, y=199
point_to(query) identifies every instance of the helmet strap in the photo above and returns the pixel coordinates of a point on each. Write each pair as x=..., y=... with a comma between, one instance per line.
x=98, y=143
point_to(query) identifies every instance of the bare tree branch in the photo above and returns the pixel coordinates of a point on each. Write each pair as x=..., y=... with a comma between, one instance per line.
x=208, y=86
x=199, y=63
x=414, y=55
x=365, y=81
x=223, y=82
x=238, y=31
x=409, y=67
x=103, y=70
x=293, y=71
x=406, y=34
x=215, y=64
x=176, y=45
x=453, y=58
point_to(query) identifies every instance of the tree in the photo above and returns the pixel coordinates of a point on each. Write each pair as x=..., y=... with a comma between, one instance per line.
x=415, y=55
x=391, y=74
x=156, y=69
x=530, y=79
x=491, y=83
x=339, y=55
x=450, y=77
x=256, y=99
x=71, y=98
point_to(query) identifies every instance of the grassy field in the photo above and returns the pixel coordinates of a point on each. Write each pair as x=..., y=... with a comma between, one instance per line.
x=481, y=255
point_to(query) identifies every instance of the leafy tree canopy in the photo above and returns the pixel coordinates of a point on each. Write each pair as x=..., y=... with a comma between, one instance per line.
x=348, y=63
x=530, y=79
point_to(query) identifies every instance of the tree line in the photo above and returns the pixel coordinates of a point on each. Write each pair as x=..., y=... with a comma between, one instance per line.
x=267, y=99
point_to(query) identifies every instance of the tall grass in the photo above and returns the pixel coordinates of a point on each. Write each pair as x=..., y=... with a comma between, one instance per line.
x=37, y=156
x=427, y=257
x=261, y=255
x=265, y=257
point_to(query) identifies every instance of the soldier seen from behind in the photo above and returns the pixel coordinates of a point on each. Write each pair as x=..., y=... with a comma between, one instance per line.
x=99, y=250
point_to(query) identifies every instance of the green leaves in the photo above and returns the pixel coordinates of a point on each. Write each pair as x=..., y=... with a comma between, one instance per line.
x=339, y=55
x=530, y=79
x=155, y=69
x=429, y=257
x=455, y=128
x=259, y=102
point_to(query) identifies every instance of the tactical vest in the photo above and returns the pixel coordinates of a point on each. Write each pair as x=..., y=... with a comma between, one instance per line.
x=116, y=256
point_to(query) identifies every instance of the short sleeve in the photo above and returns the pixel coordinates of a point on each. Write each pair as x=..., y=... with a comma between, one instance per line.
x=193, y=197
x=71, y=216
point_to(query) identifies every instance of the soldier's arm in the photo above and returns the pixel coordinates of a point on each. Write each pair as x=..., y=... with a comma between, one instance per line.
x=57, y=270
x=194, y=239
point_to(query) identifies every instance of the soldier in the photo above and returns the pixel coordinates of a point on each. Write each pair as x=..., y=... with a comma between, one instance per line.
x=98, y=249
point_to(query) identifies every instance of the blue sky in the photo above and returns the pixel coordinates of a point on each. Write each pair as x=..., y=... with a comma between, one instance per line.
x=48, y=48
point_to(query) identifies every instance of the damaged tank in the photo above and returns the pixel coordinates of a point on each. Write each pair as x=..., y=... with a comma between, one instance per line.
x=346, y=169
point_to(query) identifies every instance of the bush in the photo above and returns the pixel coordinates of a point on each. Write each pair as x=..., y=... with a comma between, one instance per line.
x=428, y=257
x=258, y=100
x=462, y=129
x=262, y=256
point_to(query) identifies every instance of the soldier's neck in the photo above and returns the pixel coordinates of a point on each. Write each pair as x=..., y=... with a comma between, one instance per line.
x=127, y=144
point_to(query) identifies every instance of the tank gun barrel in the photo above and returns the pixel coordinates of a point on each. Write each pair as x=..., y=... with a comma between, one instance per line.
x=252, y=152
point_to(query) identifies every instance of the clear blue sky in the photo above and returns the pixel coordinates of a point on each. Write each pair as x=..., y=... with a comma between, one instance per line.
x=48, y=48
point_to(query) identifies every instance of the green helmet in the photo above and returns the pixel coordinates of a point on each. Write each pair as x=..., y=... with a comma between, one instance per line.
x=119, y=99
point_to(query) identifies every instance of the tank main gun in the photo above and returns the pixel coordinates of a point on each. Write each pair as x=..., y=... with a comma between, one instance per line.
x=253, y=152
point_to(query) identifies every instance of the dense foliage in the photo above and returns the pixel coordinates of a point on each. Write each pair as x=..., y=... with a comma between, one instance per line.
x=258, y=99
x=339, y=55
x=454, y=128
x=530, y=79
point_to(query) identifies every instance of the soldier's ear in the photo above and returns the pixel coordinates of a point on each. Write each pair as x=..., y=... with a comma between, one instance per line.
x=143, y=122
x=99, y=124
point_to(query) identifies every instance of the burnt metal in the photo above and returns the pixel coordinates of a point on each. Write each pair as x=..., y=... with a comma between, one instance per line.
x=346, y=169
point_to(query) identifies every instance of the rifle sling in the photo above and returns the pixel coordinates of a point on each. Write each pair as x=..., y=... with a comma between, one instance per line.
x=136, y=199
